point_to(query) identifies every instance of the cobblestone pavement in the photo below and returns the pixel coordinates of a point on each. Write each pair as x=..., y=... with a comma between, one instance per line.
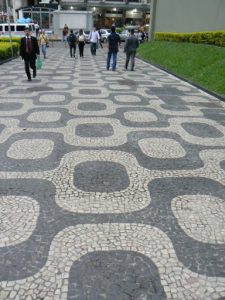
x=112, y=184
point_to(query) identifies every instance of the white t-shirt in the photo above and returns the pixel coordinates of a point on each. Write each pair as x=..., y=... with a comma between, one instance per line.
x=94, y=37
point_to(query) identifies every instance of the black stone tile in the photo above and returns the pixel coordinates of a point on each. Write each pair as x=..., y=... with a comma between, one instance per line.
x=115, y=275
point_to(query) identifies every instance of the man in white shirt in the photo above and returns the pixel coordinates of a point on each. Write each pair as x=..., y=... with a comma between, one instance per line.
x=94, y=39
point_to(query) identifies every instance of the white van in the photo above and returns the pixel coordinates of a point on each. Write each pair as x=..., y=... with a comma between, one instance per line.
x=16, y=29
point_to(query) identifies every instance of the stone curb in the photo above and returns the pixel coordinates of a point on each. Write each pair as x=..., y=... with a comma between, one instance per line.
x=7, y=60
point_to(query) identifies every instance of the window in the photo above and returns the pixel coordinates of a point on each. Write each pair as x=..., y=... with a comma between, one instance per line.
x=1, y=28
x=20, y=27
x=12, y=27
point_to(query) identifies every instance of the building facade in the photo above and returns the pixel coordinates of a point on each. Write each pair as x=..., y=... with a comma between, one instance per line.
x=189, y=16
x=105, y=12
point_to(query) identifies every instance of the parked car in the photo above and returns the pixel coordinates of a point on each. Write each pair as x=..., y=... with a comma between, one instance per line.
x=104, y=33
x=125, y=33
x=87, y=36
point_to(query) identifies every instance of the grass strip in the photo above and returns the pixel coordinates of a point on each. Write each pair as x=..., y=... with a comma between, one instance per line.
x=201, y=64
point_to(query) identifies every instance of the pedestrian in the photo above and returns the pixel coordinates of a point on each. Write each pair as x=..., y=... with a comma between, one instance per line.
x=65, y=33
x=130, y=48
x=94, y=39
x=29, y=51
x=113, y=46
x=81, y=42
x=100, y=39
x=37, y=27
x=72, y=40
x=142, y=36
x=43, y=42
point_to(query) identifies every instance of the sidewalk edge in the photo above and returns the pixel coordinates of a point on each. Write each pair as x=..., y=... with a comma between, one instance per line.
x=7, y=60
x=214, y=94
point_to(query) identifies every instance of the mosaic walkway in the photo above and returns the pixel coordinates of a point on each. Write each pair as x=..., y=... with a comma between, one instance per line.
x=112, y=184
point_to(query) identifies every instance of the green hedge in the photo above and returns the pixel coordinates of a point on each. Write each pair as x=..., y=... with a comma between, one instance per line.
x=209, y=37
x=119, y=29
x=14, y=39
x=5, y=50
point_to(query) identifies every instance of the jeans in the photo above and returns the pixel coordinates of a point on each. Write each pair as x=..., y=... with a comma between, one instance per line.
x=130, y=56
x=72, y=51
x=93, y=48
x=43, y=49
x=114, y=56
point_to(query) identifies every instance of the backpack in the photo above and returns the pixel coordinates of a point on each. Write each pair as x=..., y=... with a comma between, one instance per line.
x=81, y=38
x=72, y=39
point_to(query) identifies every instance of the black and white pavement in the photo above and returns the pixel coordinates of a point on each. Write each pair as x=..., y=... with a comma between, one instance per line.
x=112, y=184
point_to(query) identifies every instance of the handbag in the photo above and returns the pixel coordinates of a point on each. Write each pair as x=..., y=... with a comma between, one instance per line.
x=38, y=63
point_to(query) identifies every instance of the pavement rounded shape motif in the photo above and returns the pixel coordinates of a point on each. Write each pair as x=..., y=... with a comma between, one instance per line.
x=161, y=148
x=44, y=116
x=89, y=91
x=202, y=130
x=99, y=176
x=104, y=154
x=94, y=130
x=115, y=275
x=10, y=106
x=127, y=98
x=201, y=216
x=52, y=98
x=93, y=106
x=30, y=149
x=18, y=218
x=140, y=116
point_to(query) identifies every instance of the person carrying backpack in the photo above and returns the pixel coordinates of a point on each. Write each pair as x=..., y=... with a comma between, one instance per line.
x=81, y=42
x=72, y=39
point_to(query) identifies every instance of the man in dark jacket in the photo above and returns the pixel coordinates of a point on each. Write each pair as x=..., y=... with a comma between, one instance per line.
x=113, y=43
x=72, y=39
x=130, y=48
x=29, y=51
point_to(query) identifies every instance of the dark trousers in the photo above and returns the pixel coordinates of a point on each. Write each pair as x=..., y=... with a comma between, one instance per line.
x=30, y=62
x=100, y=43
x=130, y=56
x=81, y=48
x=93, y=48
x=72, y=50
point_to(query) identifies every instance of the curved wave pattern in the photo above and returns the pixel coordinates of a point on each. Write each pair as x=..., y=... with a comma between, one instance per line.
x=112, y=184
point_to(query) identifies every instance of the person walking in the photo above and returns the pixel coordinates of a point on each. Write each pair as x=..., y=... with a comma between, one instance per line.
x=65, y=33
x=100, y=39
x=94, y=39
x=113, y=46
x=43, y=41
x=36, y=27
x=29, y=51
x=130, y=48
x=81, y=42
x=72, y=40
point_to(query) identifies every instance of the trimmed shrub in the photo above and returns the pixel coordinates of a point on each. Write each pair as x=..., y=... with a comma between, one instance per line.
x=207, y=37
x=14, y=39
x=119, y=29
x=5, y=50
